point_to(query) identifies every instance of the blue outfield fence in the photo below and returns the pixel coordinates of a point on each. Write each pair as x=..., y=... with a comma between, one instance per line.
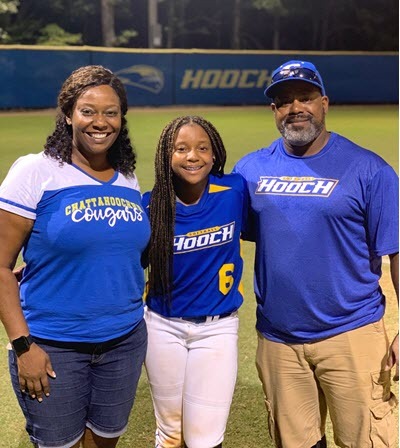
x=31, y=76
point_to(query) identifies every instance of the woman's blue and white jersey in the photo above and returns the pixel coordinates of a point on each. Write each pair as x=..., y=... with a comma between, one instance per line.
x=84, y=280
x=207, y=264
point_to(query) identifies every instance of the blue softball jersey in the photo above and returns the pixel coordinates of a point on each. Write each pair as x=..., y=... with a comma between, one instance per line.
x=321, y=225
x=207, y=266
x=83, y=280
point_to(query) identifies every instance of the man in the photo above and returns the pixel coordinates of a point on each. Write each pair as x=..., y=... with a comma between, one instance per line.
x=323, y=212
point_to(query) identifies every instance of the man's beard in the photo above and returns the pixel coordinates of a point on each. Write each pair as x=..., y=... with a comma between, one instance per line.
x=301, y=136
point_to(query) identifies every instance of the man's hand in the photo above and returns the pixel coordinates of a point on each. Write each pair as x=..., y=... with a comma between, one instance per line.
x=18, y=272
x=393, y=358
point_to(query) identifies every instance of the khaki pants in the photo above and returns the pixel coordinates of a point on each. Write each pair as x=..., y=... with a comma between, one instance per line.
x=344, y=374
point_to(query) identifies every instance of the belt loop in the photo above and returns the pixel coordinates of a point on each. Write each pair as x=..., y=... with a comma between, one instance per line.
x=210, y=319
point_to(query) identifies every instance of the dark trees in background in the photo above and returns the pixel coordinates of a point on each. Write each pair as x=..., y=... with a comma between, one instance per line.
x=327, y=25
x=108, y=22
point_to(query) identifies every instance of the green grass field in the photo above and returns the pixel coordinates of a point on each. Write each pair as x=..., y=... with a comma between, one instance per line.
x=243, y=129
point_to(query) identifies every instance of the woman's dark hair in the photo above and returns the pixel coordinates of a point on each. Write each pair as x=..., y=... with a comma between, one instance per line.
x=121, y=155
x=163, y=201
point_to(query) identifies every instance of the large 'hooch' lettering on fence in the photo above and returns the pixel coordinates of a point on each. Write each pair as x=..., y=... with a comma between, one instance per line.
x=225, y=79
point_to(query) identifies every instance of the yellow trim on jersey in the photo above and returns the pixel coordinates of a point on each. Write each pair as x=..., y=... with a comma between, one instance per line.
x=217, y=188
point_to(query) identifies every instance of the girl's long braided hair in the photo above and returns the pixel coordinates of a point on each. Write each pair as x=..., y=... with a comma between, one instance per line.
x=121, y=154
x=163, y=202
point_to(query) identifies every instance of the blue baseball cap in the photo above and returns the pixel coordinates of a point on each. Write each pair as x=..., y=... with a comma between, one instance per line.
x=295, y=71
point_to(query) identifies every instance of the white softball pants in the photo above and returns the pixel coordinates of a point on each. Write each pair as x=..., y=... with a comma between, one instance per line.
x=192, y=371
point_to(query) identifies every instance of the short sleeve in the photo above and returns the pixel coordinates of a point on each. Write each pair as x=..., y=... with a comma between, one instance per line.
x=21, y=190
x=383, y=212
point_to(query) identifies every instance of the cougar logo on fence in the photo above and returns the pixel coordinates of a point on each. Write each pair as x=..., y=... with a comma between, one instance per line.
x=204, y=238
x=296, y=186
x=144, y=77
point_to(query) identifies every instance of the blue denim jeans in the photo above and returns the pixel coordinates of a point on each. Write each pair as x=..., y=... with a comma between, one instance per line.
x=94, y=390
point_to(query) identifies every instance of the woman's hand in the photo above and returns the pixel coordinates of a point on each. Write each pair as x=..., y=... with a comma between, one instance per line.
x=34, y=369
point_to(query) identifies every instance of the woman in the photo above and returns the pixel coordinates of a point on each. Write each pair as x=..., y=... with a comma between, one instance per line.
x=194, y=285
x=76, y=324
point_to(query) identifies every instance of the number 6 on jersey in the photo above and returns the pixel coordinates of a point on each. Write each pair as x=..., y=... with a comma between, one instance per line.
x=226, y=277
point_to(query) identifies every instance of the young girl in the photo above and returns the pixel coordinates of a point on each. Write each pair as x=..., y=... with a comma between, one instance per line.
x=194, y=292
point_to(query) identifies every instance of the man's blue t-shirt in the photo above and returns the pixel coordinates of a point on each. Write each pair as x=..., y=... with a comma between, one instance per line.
x=321, y=225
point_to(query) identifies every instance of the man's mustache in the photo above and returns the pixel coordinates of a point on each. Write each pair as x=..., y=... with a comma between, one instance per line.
x=298, y=117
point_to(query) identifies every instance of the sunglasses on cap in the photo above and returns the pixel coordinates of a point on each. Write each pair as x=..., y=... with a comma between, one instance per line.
x=297, y=72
